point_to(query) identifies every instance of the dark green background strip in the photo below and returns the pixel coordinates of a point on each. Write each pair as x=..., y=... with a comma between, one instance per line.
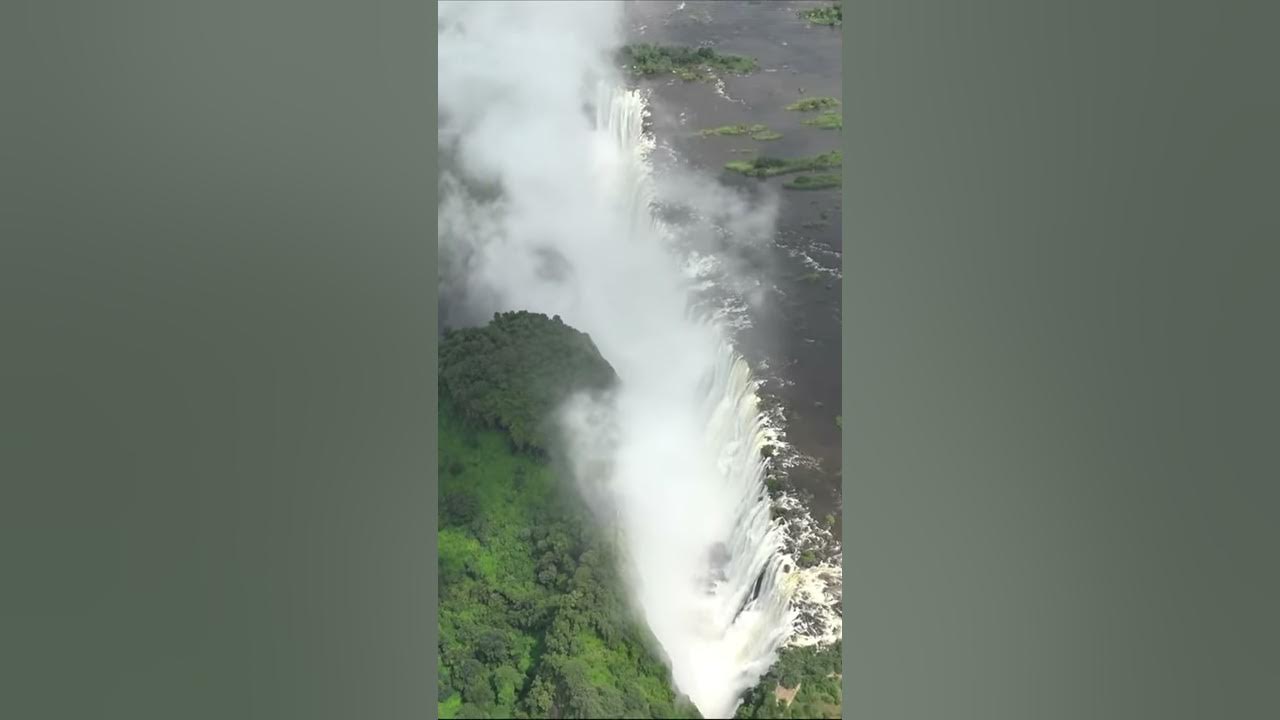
x=1061, y=338
x=217, y=360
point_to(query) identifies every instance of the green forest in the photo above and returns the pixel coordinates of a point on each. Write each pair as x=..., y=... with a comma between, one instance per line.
x=533, y=620
x=512, y=374
x=803, y=683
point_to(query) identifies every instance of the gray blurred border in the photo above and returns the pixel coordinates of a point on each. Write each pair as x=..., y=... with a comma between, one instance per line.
x=217, y=360
x=1061, y=278
x=432, y=605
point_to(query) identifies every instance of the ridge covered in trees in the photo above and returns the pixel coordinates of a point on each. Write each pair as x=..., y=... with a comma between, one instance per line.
x=533, y=620
x=512, y=374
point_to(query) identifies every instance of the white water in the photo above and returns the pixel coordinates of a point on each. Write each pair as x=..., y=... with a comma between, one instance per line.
x=687, y=474
x=675, y=461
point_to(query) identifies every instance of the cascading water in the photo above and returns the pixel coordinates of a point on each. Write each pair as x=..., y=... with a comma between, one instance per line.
x=687, y=480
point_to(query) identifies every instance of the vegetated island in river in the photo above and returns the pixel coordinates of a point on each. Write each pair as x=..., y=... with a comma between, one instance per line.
x=813, y=182
x=830, y=119
x=827, y=121
x=756, y=131
x=684, y=62
x=814, y=103
x=763, y=166
x=828, y=15
x=533, y=618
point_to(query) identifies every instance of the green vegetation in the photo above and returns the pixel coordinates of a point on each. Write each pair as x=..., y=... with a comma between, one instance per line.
x=532, y=619
x=814, y=103
x=813, y=182
x=513, y=373
x=757, y=131
x=768, y=167
x=686, y=63
x=840, y=421
x=803, y=683
x=827, y=121
x=829, y=15
x=449, y=708
x=734, y=130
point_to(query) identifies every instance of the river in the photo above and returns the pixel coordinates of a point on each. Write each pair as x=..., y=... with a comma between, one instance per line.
x=789, y=288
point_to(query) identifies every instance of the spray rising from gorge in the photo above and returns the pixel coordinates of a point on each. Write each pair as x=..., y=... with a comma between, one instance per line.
x=548, y=208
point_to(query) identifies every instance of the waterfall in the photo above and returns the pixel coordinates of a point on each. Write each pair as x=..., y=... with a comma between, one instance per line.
x=688, y=480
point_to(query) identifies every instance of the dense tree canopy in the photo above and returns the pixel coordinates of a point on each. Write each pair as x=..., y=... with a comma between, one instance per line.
x=513, y=373
x=803, y=683
x=533, y=622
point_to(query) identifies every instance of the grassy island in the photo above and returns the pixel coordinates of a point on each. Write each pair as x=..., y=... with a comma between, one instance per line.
x=756, y=132
x=686, y=63
x=830, y=15
x=827, y=121
x=768, y=167
x=813, y=182
x=814, y=103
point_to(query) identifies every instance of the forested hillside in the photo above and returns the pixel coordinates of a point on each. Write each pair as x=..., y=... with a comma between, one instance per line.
x=512, y=374
x=533, y=621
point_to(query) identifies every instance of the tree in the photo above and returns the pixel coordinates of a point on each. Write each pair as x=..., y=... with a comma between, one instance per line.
x=475, y=683
x=493, y=647
x=506, y=683
x=444, y=687
x=458, y=506
x=449, y=569
x=540, y=698
x=635, y=702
